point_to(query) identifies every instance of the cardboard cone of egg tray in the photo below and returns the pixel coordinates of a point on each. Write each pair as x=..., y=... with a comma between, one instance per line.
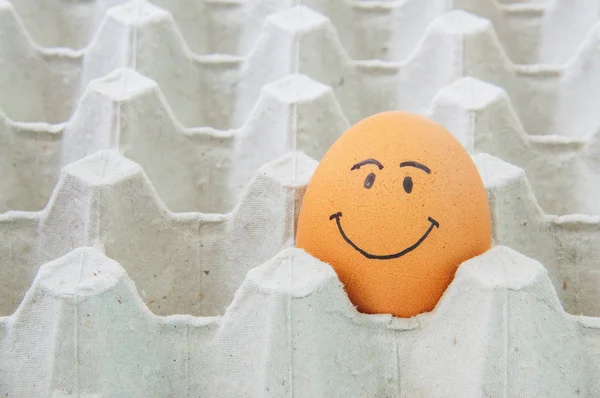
x=152, y=169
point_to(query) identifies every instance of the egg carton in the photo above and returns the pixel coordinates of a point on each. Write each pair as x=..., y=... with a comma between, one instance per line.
x=212, y=167
x=548, y=31
x=552, y=105
x=219, y=90
x=295, y=82
x=563, y=170
x=197, y=259
x=191, y=168
x=98, y=193
x=85, y=329
x=208, y=169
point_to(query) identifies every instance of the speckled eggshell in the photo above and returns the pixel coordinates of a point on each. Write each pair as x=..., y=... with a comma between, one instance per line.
x=395, y=247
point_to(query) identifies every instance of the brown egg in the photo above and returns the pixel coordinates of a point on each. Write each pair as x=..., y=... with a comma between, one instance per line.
x=395, y=206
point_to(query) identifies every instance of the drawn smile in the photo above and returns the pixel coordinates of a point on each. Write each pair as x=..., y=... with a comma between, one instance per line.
x=337, y=217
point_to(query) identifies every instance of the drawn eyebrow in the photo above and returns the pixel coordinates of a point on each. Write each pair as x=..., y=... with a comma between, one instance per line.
x=418, y=165
x=367, y=161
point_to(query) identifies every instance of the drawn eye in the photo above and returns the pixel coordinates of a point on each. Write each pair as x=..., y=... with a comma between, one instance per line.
x=369, y=180
x=407, y=183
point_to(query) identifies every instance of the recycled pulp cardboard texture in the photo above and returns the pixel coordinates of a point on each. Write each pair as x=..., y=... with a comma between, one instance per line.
x=563, y=170
x=106, y=201
x=195, y=170
x=182, y=262
x=548, y=31
x=122, y=109
x=516, y=337
x=198, y=168
x=498, y=330
x=219, y=90
x=148, y=155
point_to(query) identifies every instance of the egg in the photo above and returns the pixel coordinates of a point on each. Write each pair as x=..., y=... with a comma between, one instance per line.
x=395, y=206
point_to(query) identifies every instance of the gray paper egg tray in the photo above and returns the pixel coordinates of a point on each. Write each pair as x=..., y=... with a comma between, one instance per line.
x=154, y=158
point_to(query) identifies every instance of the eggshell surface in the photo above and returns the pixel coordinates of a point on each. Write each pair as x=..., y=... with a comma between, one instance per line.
x=395, y=206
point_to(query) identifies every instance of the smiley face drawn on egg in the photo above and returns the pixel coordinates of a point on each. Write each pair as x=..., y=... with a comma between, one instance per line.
x=407, y=184
x=395, y=206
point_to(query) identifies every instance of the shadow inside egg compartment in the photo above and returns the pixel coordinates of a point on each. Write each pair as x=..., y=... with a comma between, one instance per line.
x=395, y=206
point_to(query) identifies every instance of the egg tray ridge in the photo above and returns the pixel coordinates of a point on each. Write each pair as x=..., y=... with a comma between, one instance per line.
x=302, y=114
x=500, y=315
x=208, y=169
x=219, y=89
x=527, y=31
x=212, y=172
x=575, y=146
x=566, y=245
x=291, y=330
